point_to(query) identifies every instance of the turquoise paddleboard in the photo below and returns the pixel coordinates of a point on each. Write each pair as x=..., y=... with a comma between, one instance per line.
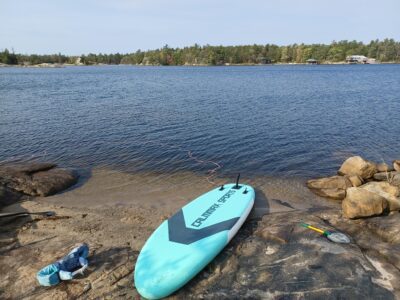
x=185, y=243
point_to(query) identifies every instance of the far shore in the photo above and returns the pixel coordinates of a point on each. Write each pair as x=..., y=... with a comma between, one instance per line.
x=56, y=65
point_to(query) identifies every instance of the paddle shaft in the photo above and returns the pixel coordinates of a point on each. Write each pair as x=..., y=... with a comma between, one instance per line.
x=326, y=233
x=17, y=214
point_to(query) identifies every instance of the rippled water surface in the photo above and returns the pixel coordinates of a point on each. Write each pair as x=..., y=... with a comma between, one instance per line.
x=267, y=120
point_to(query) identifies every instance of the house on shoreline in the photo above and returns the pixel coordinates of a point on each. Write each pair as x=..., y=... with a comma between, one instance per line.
x=360, y=59
x=312, y=61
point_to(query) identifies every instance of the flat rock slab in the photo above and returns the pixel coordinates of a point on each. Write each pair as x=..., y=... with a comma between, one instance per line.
x=278, y=259
x=270, y=258
x=36, y=179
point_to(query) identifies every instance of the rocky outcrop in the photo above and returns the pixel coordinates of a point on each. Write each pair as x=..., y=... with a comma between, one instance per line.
x=361, y=202
x=386, y=190
x=36, y=179
x=270, y=258
x=356, y=165
x=332, y=187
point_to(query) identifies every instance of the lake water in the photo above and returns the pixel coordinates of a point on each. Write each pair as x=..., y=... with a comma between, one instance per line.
x=300, y=121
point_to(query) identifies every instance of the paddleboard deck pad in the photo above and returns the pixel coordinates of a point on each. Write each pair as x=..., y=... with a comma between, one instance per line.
x=185, y=243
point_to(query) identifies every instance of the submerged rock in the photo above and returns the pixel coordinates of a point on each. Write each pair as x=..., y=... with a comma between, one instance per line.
x=27, y=168
x=356, y=165
x=36, y=179
x=53, y=181
x=332, y=187
x=361, y=202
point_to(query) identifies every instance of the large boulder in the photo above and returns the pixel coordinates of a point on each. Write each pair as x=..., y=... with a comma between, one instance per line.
x=356, y=165
x=332, y=187
x=396, y=165
x=361, y=202
x=36, y=179
x=386, y=190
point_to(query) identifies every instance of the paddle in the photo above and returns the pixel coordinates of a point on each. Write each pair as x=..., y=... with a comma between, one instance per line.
x=335, y=237
x=26, y=213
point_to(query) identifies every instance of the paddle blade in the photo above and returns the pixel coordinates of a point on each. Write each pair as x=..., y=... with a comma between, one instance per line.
x=338, y=237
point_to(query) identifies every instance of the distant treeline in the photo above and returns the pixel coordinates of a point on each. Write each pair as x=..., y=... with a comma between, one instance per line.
x=387, y=50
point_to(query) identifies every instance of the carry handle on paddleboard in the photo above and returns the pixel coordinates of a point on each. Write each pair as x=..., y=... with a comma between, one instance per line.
x=236, y=187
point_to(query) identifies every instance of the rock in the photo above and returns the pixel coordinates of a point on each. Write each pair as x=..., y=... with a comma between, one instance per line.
x=356, y=165
x=270, y=258
x=387, y=191
x=383, y=167
x=339, y=182
x=382, y=186
x=28, y=168
x=53, y=181
x=385, y=176
x=396, y=180
x=355, y=180
x=335, y=194
x=332, y=187
x=307, y=266
x=36, y=179
x=361, y=202
x=396, y=165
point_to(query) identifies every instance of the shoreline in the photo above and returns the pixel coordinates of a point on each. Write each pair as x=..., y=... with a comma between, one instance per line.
x=157, y=189
x=50, y=66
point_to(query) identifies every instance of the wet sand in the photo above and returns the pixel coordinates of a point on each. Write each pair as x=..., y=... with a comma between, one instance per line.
x=166, y=193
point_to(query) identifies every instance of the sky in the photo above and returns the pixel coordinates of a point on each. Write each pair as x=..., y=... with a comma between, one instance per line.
x=77, y=27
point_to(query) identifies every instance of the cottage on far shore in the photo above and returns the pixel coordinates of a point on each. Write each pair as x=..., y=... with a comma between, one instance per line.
x=360, y=59
x=312, y=61
x=356, y=59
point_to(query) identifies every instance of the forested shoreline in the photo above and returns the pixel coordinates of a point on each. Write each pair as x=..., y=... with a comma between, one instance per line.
x=387, y=50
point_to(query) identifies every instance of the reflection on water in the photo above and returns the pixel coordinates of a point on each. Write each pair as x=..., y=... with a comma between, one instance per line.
x=271, y=120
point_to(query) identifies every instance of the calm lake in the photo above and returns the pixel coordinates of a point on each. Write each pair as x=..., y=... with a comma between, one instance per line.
x=300, y=121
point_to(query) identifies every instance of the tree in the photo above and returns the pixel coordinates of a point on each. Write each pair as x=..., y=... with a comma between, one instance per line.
x=8, y=58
